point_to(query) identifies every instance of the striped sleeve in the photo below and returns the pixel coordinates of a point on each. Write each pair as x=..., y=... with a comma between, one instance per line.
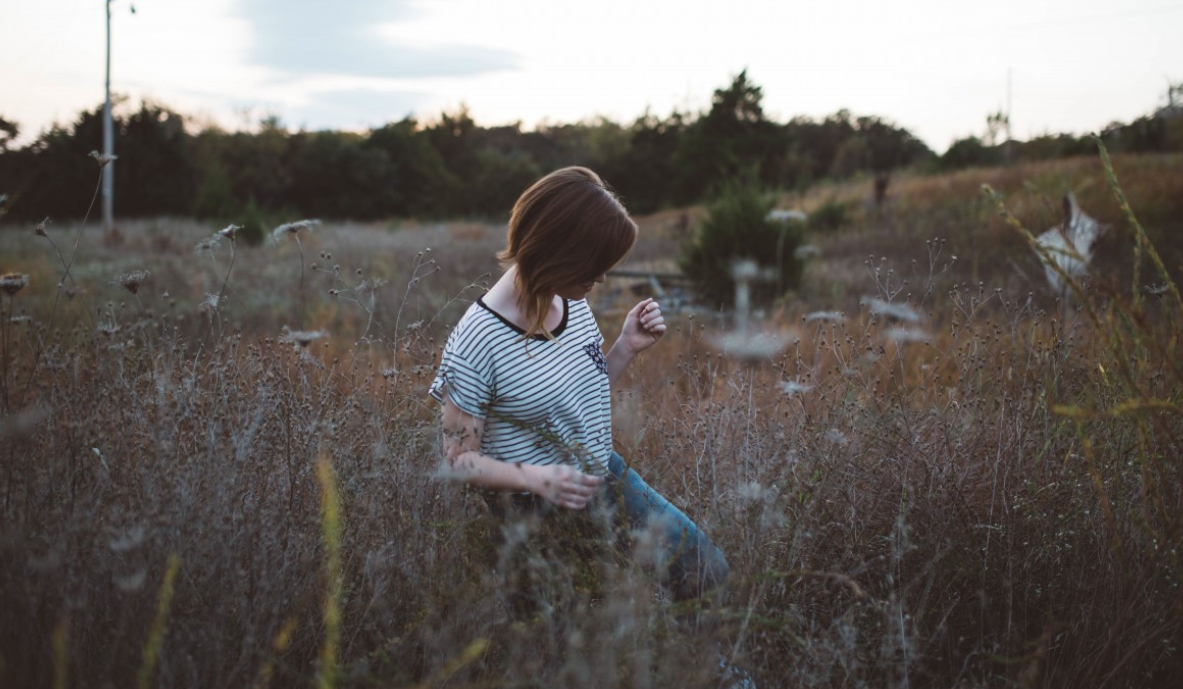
x=469, y=389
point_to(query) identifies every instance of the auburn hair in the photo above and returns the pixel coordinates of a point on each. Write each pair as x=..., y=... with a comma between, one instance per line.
x=567, y=229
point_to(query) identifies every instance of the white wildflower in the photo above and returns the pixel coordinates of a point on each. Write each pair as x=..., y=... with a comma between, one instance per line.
x=208, y=244
x=130, y=582
x=230, y=231
x=835, y=436
x=786, y=215
x=751, y=346
x=899, y=312
x=806, y=251
x=825, y=316
x=745, y=270
x=752, y=491
x=103, y=158
x=301, y=338
x=128, y=539
x=792, y=387
x=11, y=283
x=293, y=228
x=132, y=281
x=906, y=335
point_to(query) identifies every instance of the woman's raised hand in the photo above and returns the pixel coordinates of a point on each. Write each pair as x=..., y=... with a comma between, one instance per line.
x=643, y=326
x=563, y=485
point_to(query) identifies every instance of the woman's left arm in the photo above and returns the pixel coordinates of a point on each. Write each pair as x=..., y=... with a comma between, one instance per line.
x=643, y=327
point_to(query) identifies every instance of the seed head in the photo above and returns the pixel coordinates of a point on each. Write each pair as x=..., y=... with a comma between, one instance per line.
x=208, y=244
x=129, y=583
x=752, y=347
x=906, y=335
x=103, y=158
x=835, y=436
x=301, y=338
x=39, y=228
x=293, y=228
x=825, y=316
x=792, y=387
x=899, y=312
x=745, y=270
x=230, y=231
x=11, y=283
x=132, y=281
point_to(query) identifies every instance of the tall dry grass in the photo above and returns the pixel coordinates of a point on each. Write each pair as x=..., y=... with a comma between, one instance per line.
x=951, y=484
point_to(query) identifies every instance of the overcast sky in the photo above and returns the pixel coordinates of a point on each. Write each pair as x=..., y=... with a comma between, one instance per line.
x=936, y=67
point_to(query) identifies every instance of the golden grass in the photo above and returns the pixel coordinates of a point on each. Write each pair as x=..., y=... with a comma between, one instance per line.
x=990, y=498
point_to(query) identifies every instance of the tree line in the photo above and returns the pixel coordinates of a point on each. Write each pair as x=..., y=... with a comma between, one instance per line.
x=452, y=167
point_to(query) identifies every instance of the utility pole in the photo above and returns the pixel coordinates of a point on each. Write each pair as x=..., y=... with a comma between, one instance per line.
x=108, y=141
x=1006, y=148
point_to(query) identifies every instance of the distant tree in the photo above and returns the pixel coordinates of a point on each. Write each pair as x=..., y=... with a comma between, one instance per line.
x=997, y=124
x=732, y=137
x=818, y=142
x=420, y=183
x=53, y=176
x=9, y=131
x=156, y=173
x=853, y=156
x=889, y=146
x=260, y=164
x=969, y=152
x=645, y=172
x=1049, y=147
x=499, y=178
x=335, y=175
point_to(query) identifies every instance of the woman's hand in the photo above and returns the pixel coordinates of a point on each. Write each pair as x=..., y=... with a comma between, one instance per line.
x=643, y=326
x=563, y=485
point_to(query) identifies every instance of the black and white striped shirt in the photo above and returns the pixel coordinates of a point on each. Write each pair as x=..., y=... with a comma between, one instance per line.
x=543, y=401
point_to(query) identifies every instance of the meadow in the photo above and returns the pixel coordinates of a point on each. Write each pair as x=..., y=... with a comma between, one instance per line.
x=221, y=467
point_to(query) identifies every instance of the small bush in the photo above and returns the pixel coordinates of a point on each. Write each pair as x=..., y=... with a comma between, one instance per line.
x=254, y=225
x=831, y=215
x=737, y=228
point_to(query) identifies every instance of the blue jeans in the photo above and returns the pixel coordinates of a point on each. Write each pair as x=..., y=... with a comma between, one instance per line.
x=690, y=564
x=686, y=560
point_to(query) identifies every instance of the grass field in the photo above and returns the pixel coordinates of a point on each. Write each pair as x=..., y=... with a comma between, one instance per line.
x=225, y=471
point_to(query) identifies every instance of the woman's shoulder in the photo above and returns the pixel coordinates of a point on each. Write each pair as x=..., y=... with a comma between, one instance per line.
x=580, y=316
x=478, y=329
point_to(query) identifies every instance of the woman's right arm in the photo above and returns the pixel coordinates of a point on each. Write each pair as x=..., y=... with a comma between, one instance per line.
x=562, y=485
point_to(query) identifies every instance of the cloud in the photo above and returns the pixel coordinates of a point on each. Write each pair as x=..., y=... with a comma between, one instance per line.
x=337, y=109
x=309, y=37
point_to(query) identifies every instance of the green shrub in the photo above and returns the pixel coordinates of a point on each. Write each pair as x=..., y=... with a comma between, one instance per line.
x=737, y=228
x=831, y=215
x=254, y=225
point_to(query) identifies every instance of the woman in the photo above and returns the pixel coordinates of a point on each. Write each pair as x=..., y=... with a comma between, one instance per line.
x=525, y=384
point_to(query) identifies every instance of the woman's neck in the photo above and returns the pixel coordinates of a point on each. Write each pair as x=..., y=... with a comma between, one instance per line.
x=502, y=297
